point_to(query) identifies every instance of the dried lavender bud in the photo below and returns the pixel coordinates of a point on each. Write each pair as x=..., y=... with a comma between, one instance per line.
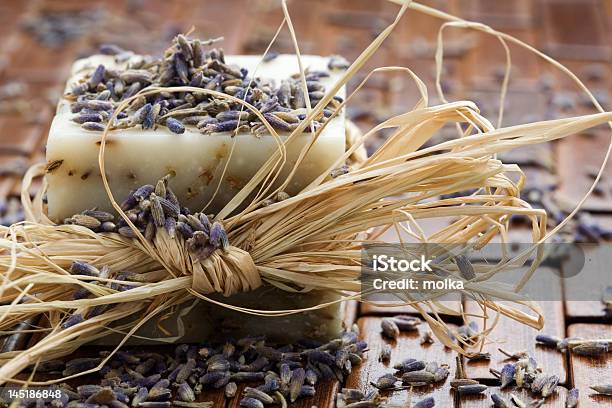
x=352, y=394
x=110, y=49
x=593, y=349
x=184, y=392
x=250, y=392
x=131, y=76
x=97, y=105
x=87, y=390
x=230, y=390
x=507, y=375
x=441, y=374
x=538, y=382
x=232, y=115
x=550, y=385
x=157, y=212
x=337, y=62
x=185, y=371
x=227, y=126
x=389, y=328
x=307, y=391
x=87, y=117
x=385, y=353
x=218, y=237
x=246, y=376
x=410, y=364
x=102, y=397
x=143, y=192
x=93, y=126
x=344, y=169
x=86, y=221
x=101, y=216
x=572, y=399
x=387, y=381
x=184, y=229
x=471, y=389
x=605, y=389
x=175, y=126
x=276, y=122
x=222, y=382
x=318, y=356
x=257, y=365
x=406, y=323
x=155, y=404
x=79, y=89
x=310, y=376
x=519, y=376
x=428, y=402
x=72, y=320
x=457, y=382
x=418, y=376
x=499, y=401
x=181, y=68
x=79, y=365
x=465, y=267
x=547, y=340
x=479, y=356
x=316, y=96
x=211, y=377
x=50, y=366
x=563, y=344
x=184, y=47
x=83, y=268
x=104, y=95
x=97, y=76
x=251, y=403
x=295, y=384
x=126, y=232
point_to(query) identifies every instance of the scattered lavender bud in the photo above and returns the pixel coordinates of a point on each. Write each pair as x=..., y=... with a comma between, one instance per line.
x=389, y=328
x=507, y=375
x=428, y=402
x=605, y=389
x=471, y=389
x=572, y=399
x=547, y=340
x=499, y=401
x=230, y=390
x=387, y=381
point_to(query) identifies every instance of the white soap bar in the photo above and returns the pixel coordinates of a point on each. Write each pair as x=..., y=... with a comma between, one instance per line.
x=135, y=157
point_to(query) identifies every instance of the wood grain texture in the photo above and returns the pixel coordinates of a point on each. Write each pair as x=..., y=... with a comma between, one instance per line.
x=588, y=371
x=584, y=289
x=512, y=336
x=578, y=156
x=407, y=346
x=567, y=39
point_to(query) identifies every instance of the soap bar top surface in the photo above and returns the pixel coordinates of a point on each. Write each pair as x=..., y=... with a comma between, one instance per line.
x=137, y=156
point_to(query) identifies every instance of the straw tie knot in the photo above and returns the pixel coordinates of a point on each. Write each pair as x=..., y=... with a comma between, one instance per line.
x=228, y=271
x=216, y=266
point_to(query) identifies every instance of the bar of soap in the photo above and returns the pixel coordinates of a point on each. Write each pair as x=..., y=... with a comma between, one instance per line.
x=135, y=157
x=209, y=321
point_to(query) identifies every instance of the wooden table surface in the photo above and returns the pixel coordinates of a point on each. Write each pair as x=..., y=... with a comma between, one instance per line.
x=576, y=32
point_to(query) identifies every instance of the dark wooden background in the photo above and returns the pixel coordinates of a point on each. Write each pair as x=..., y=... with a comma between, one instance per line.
x=576, y=32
